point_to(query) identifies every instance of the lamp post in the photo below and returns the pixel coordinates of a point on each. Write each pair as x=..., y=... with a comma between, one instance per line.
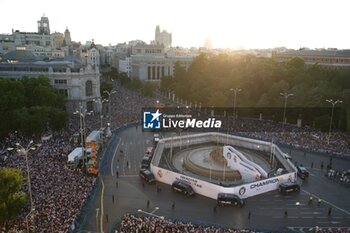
x=24, y=151
x=285, y=96
x=151, y=213
x=235, y=92
x=98, y=100
x=330, y=123
x=82, y=114
x=109, y=102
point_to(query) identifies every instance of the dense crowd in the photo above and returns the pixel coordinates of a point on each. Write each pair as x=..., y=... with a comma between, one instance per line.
x=332, y=230
x=342, y=177
x=143, y=224
x=60, y=192
x=304, y=138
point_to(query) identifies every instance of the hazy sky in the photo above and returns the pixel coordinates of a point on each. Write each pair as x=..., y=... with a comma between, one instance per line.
x=229, y=23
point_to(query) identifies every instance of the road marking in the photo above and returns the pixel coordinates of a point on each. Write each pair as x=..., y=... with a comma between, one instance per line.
x=332, y=222
x=102, y=194
x=322, y=217
x=311, y=212
x=276, y=217
x=306, y=217
x=115, y=152
x=347, y=212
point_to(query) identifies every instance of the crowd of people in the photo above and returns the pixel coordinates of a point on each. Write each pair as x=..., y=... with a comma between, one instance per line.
x=142, y=224
x=332, y=230
x=59, y=192
x=304, y=138
x=342, y=177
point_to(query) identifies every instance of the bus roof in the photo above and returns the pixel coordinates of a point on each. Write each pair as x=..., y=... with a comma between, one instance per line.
x=93, y=136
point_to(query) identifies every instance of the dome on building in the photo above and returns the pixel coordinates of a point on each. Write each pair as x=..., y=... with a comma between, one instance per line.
x=20, y=56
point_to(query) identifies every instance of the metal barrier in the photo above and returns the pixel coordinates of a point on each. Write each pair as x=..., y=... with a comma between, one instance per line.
x=87, y=208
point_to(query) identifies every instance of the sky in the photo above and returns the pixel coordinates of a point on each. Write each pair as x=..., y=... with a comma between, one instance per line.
x=247, y=24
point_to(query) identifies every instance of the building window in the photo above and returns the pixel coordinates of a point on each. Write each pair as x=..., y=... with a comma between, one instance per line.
x=158, y=72
x=153, y=72
x=63, y=92
x=149, y=73
x=60, y=81
x=88, y=88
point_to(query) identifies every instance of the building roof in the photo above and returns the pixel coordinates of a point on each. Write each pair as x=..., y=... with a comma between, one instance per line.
x=72, y=59
x=20, y=56
x=320, y=53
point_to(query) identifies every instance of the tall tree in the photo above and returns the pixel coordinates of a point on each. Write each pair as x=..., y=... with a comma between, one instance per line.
x=12, y=199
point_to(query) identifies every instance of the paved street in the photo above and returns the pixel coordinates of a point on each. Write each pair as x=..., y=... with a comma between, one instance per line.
x=267, y=210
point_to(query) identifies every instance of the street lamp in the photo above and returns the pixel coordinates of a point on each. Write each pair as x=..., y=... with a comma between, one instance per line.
x=235, y=91
x=109, y=102
x=285, y=96
x=330, y=123
x=98, y=100
x=82, y=114
x=151, y=213
x=24, y=151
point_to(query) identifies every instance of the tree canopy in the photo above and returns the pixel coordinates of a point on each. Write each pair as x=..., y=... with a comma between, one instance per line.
x=12, y=199
x=209, y=79
x=30, y=106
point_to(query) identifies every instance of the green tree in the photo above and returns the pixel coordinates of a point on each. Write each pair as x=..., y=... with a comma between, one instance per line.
x=296, y=63
x=148, y=89
x=30, y=105
x=166, y=83
x=12, y=199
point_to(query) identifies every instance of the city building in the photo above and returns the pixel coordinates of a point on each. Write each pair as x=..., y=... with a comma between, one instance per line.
x=162, y=38
x=331, y=58
x=67, y=39
x=125, y=66
x=80, y=83
x=151, y=62
x=57, y=40
x=44, y=26
x=93, y=56
x=41, y=43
